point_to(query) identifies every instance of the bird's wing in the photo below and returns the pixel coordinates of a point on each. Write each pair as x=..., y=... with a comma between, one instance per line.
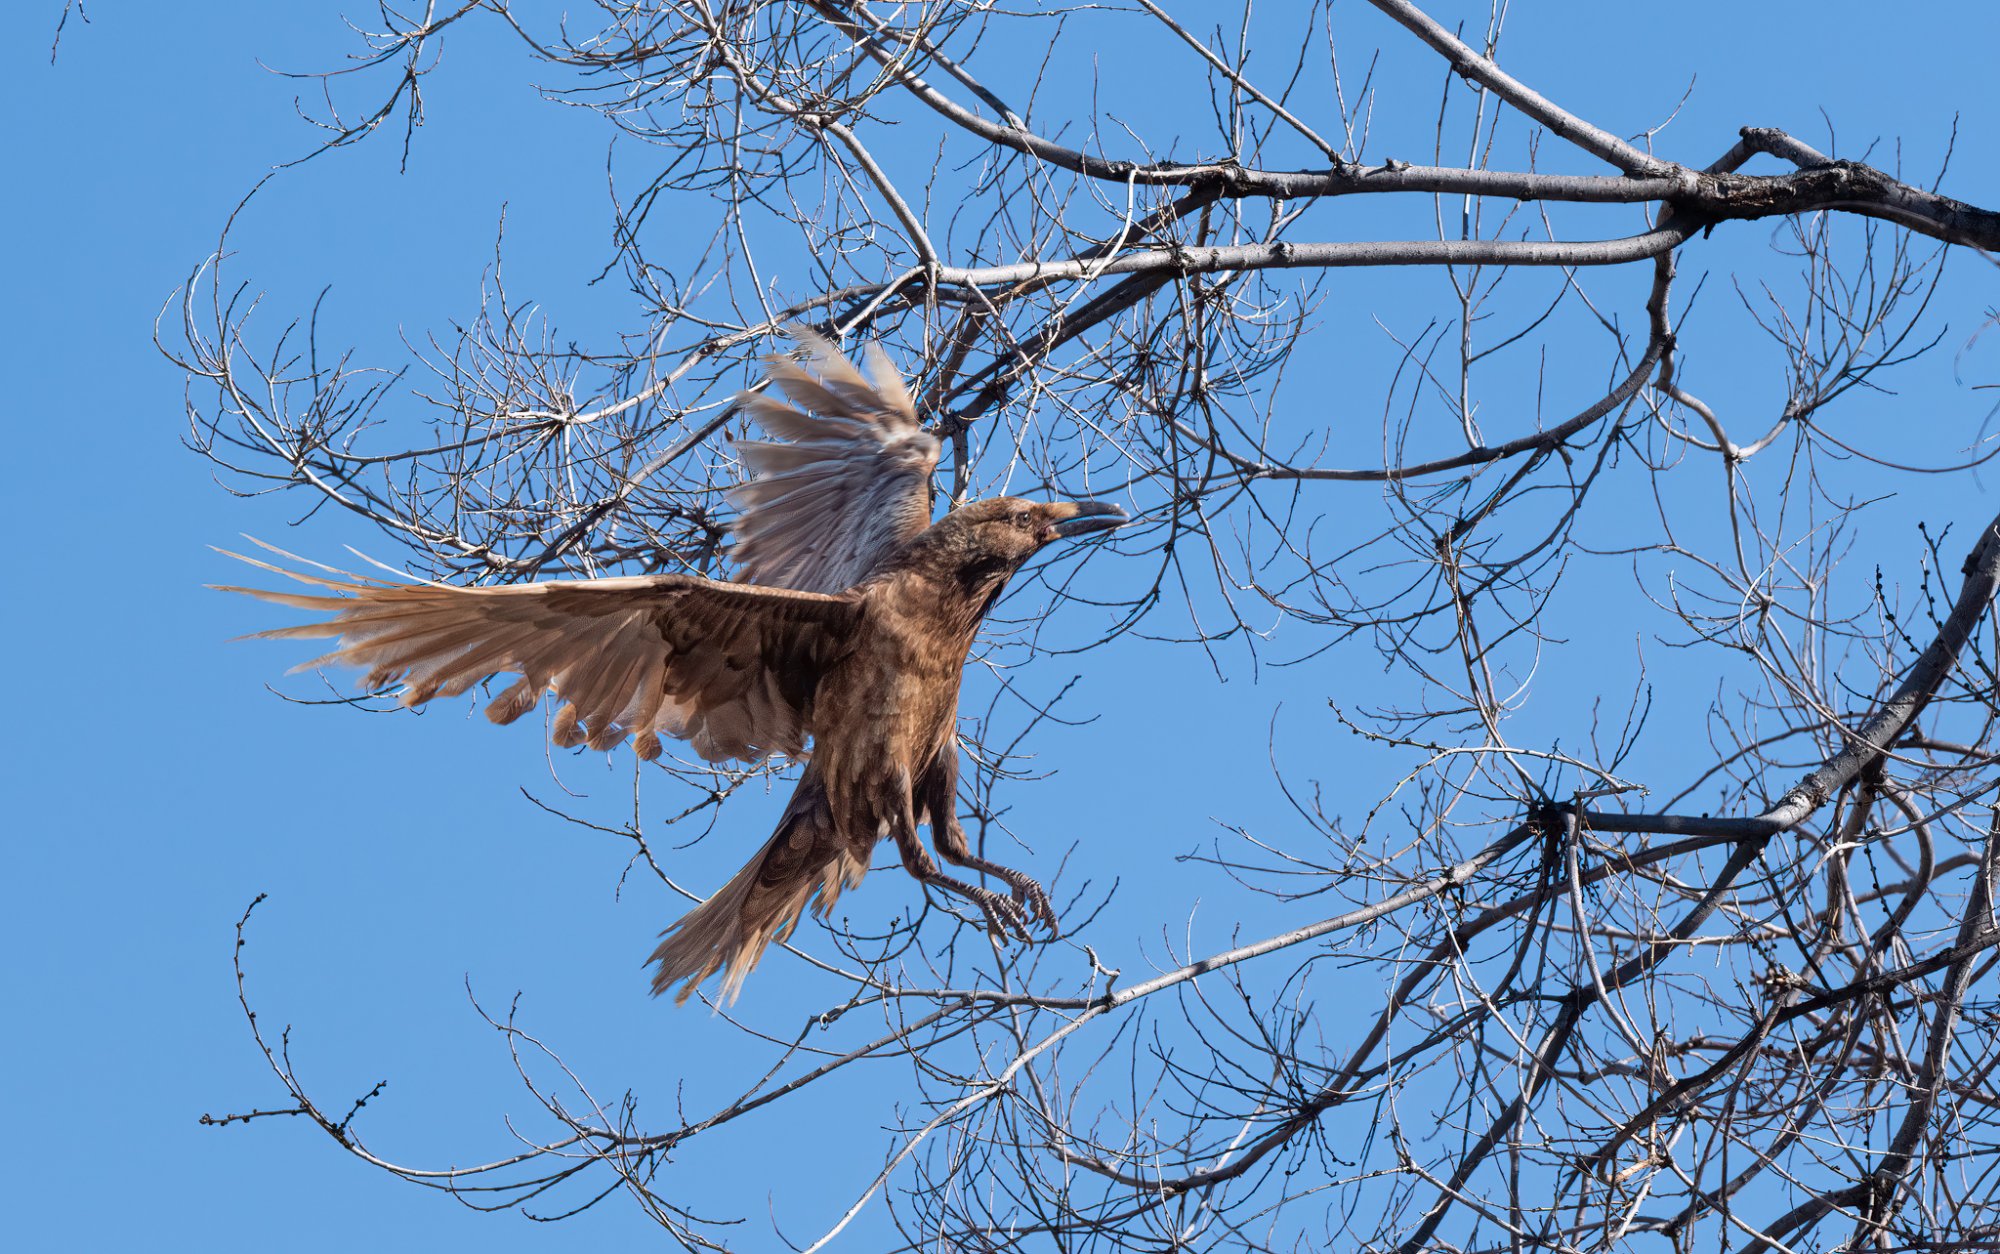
x=846, y=481
x=729, y=668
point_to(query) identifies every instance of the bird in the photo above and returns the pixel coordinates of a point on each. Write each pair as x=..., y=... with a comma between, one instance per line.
x=841, y=641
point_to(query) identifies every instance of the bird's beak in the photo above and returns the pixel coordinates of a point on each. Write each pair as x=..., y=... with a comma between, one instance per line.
x=1080, y=518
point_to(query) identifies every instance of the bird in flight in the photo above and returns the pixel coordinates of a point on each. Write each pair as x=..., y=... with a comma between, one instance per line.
x=849, y=627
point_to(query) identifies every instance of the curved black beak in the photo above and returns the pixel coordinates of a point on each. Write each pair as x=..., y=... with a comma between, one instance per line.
x=1089, y=516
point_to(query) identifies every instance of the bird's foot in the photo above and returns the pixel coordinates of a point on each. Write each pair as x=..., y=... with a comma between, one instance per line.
x=1029, y=898
x=1004, y=916
x=1029, y=901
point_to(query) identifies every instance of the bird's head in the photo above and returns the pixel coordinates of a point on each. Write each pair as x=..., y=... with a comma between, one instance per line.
x=984, y=543
x=1010, y=530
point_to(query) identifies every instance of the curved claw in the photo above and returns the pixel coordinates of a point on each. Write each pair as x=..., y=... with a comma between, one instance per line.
x=1030, y=896
x=1003, y=917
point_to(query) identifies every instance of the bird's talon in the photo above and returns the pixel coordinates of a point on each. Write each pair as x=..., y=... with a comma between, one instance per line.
x=1003, y=917
x=1032, y=901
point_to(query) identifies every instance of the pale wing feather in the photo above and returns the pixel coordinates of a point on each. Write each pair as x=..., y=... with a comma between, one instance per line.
x=729, y=668
x=850, y=485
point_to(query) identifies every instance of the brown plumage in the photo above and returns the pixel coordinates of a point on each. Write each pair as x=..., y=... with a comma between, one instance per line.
x=852, y=632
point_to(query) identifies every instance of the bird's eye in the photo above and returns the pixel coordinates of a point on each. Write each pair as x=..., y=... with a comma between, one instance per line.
x=1022, y=520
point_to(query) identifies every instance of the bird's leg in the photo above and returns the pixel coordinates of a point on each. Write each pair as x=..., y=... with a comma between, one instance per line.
x=940, y=797
x=1028, y=895
x=1002, y=916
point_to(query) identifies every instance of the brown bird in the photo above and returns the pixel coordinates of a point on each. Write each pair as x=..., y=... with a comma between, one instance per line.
x=851, y=629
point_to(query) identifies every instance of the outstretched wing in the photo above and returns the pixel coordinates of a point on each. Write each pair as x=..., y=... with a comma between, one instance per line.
x=849, y=484
x=729, y=668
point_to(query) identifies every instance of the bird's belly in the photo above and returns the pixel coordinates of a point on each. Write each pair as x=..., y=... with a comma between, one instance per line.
x=881, y=726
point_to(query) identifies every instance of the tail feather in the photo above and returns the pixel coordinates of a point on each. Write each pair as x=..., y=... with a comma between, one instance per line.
x=804, y=863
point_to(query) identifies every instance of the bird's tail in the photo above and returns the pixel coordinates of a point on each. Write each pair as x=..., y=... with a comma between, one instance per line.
x=805, y=861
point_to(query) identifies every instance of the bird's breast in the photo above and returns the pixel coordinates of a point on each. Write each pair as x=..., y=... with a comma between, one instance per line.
x=885, y=709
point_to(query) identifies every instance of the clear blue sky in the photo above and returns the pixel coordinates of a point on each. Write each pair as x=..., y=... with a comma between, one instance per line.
x=156, y=786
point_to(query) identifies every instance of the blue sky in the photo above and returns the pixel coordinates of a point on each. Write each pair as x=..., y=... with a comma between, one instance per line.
x=158, y=786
